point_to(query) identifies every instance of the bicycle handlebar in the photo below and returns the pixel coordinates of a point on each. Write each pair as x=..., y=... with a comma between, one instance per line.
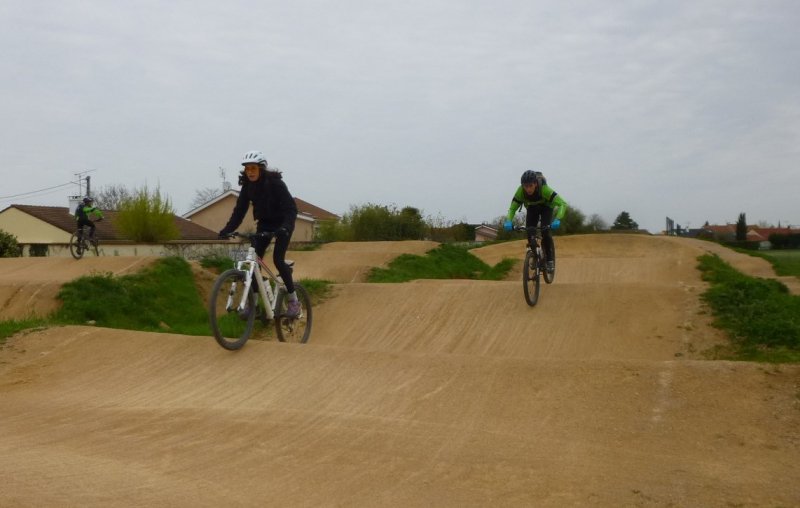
x=250, y=236
x=532, y=228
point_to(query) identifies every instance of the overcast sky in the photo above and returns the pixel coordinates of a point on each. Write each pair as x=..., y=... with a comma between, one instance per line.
x=687, y=108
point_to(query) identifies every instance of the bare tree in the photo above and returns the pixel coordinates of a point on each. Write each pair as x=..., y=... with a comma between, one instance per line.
x=596, y=223
x=111, y=197
x=203, y=196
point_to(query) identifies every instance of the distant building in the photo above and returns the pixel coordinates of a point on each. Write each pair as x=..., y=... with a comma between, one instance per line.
x=484, y=233
x=215, y=214
x=48, y=229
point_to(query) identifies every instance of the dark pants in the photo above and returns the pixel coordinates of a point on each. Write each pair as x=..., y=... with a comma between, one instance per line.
x=543, y=214
x=278, y=256
x=90, y=224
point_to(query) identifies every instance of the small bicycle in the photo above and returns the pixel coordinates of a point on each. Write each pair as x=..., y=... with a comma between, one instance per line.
x=535, y=265
x=79, y=244
x=233, y=306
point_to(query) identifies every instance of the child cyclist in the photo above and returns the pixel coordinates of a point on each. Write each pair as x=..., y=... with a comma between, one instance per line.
x=541, y=202
x=274, y=210
x=84, y=213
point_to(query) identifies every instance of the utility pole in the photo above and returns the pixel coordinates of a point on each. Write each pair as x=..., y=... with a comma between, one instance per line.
x=74, y=200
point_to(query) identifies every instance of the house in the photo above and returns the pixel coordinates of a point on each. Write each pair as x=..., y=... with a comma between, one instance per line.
x=215, y=214
x=46, y=230
x=727, y=233
x=484, y=233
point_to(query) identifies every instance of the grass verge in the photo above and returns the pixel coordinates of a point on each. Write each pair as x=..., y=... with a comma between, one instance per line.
x=444, y=262
x=9, y=328
x=785, y=262
x=760, y=315
x=161, y=298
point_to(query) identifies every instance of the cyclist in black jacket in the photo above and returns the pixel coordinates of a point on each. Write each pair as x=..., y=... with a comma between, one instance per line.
x=274, y=210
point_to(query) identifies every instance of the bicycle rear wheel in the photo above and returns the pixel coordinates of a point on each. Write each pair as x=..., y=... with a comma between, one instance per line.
x=530, y=278
x=76, y=246
x=293, y=329
x=230, y=326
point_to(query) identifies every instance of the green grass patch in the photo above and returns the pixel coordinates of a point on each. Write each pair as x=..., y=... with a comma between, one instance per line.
x=760, y=315
x=161, y=297
x=217, y=262
x=785, y=262
x=444, y=262
x=305, y=247
x=9, y=328
x=319, y=290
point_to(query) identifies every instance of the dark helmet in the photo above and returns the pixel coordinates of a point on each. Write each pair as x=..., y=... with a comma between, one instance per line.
x=529, y=177
x=88, y=200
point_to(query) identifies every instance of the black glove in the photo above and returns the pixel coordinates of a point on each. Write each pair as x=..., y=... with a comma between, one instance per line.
x=281, y=232
x=223, y=234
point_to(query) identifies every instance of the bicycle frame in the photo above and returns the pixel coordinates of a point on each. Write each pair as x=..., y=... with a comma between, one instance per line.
x=534, y=237
x=269, y=295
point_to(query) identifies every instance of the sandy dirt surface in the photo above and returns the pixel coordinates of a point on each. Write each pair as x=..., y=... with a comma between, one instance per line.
x=430, y=393
x=351, y=261
x=28, y=286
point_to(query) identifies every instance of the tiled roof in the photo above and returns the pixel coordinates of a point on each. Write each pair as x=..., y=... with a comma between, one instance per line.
x=754, y=233
x=314, y=211
x=62, y=218
x=303, y=207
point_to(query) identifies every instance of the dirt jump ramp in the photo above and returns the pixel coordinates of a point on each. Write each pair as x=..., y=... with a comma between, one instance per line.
x=431, y=393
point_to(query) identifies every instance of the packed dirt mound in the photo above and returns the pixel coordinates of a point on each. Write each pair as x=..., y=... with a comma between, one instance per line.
x=429, y=393
x=351, y=261
x=580, y=321
x=580, y=255
x=28, y=286
x=98, y=417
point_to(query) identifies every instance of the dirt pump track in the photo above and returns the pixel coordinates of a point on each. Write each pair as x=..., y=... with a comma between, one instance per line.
x=429, y=393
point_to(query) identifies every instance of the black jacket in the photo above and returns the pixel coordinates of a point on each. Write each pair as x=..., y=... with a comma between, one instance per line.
x=273, y=206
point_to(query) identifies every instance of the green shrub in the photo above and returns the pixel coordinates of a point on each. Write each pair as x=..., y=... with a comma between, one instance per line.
x=147, y=218
x=9, y=247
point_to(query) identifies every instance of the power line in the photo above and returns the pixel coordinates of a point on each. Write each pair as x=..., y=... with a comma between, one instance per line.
x=36, y=191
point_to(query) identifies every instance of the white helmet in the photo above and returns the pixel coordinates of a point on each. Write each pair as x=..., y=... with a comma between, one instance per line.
x=254, y=157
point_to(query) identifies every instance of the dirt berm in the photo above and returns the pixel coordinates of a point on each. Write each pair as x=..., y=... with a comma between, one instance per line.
x=430, y=393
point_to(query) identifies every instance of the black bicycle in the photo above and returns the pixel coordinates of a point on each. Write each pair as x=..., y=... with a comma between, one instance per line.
x=535, y=266
x=79, y=244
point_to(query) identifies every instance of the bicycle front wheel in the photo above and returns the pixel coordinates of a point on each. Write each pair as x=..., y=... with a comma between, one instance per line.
x=76, y=246
x=548, y=275
x=230, y=325
x=293, y=329
x=530, y=278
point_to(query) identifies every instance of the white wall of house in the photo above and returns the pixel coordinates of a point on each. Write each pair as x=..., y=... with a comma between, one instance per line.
x=186, y=249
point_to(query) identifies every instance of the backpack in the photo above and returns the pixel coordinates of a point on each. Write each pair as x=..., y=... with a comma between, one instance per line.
x=540, y=179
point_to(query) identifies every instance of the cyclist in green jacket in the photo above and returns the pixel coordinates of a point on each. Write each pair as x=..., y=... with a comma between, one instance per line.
x=83, y=214
x=542, y=203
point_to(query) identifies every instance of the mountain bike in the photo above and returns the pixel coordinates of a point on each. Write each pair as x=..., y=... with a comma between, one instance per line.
x=535, y=266
x=79, y=244
x=236, y=301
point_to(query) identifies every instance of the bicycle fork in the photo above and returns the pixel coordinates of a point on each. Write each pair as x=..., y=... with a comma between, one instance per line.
x=265, y=292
